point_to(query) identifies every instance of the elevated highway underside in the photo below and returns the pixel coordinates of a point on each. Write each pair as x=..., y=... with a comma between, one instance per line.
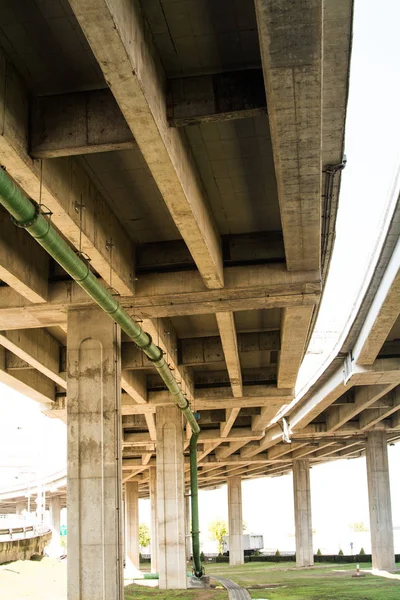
x=191, y=153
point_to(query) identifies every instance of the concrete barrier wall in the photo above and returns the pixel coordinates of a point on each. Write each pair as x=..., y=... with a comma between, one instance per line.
x=23, y=549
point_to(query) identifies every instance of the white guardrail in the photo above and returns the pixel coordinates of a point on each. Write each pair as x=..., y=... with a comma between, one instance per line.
x=18, y=527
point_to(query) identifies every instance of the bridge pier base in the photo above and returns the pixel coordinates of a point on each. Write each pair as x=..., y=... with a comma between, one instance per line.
x=95, y=557
x=132, y=522
x=170, y=499
x=302, y=513
x=380, y=508
x=236, y=555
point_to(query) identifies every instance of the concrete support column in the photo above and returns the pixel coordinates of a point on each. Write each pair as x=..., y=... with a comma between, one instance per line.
x=380, y=508
x=154, y=520
x=132, y=522
x=19, y=508
x=302, y=513
x=95, y=559
x=170, y=499
x=55, y=509
x=236, y=556
x=188, y=527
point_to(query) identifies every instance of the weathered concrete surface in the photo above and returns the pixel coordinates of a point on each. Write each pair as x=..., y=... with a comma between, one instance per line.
x=170, y=499
x=302, y=513
x=154, y=519
x=23, y=549
x=380, y=507
x=132, y=521
x=236, y=556
x=95, y=538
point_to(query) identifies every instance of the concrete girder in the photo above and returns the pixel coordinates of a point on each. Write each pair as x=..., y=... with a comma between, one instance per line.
x=170, y=294
x=206, y=350
x=24, y=265
x=37, y=348
x=364, y=396
x=382, y=315
x=291, y=56
x=64, y=184
x=123, y=46
x=217, y=97
x=294, y=333
x=29, y=382
x=227, y=332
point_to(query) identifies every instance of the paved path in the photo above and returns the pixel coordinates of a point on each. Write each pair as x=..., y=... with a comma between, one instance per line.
x=234, y=590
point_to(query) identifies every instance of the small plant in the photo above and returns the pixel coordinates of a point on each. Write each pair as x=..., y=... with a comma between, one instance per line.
x=362, y=552
x=277, y=553
x=319, y=553
x=202, y=557
x=340, y=553
x=256, y=553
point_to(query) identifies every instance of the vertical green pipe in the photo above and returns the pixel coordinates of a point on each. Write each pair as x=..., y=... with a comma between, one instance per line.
x=194, y=494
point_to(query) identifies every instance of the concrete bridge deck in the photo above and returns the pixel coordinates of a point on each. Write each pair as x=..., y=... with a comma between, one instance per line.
x=191, y=152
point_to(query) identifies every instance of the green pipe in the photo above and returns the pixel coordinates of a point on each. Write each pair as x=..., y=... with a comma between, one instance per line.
x=194, y=496
x=26, y=213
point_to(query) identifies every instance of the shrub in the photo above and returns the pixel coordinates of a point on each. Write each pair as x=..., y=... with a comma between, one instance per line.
x=362, y=552
x=319, y=553
x=202, y=557
x=277, y=553
x=340, y=553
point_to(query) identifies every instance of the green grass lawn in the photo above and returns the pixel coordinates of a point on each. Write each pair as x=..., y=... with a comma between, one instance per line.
x=328, y=582
x=324, y=582
x=137, y=592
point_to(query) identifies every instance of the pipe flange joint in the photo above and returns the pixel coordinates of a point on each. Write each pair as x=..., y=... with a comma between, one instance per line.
x=32, y=221
x=154, y=360
x=149, y=343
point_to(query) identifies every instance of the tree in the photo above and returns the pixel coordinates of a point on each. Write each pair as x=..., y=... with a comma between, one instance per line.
x=358, y=527
x=144, y=535
x=217, y=529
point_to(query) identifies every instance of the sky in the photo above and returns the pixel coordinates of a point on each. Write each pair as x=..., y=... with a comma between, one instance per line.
x=31, y=442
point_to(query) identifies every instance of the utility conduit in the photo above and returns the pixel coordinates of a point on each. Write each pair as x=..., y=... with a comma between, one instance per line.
x=27, y=214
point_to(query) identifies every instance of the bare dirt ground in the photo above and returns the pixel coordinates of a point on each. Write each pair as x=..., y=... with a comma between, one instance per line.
x=34, y=580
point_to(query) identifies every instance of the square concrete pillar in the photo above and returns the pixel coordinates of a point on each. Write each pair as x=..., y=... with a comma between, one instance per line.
x=236, y=555
x=132, y=522
x=55, y=509
x=95, y=558
x=380, y=507
x=170, y=499
x=154, y=520
x=302, y=513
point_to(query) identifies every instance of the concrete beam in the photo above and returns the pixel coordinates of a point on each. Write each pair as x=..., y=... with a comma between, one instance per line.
x=134, y=384
x=227, y=332
x=364, y=396
x=230, y=418
x=248, y=248
x=134, y=73
x=272, y=437
x=64, y=184
x=382, y=315
x=294, y=332
x=292, y=63
x=164, y=335
x=37, y=348
x=206, y=436
x=170, y=294
x=24, y=265
x=30, y=383
x=261, y=396
x=77, y=123
x=372, y=417
x=206, y=350
x=218, y=97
